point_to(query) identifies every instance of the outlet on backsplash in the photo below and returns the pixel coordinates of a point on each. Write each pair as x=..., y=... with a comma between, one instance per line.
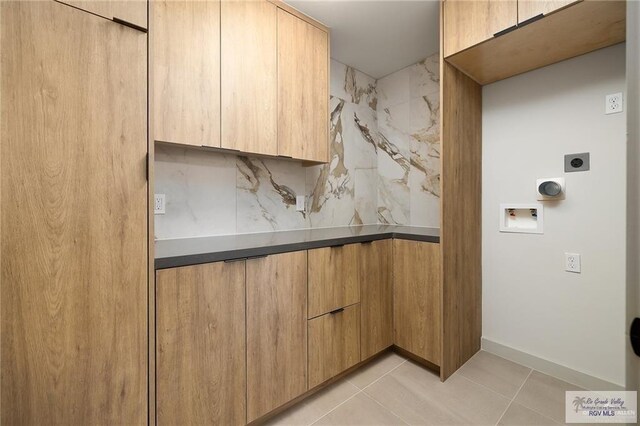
x=301, y=202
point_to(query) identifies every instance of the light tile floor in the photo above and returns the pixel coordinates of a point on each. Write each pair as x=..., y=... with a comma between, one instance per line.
x=487, y=390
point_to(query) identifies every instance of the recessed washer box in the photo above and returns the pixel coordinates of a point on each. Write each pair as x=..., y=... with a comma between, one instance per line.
x=522, y=218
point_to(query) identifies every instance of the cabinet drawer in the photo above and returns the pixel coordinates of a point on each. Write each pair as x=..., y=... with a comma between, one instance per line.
x=333, y=278
x=334, y=343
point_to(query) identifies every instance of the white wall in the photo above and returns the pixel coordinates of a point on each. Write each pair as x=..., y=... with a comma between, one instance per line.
x=529, y=302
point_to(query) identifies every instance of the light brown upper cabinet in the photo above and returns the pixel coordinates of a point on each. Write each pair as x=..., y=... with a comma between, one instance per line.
x=201, y=342
x=249, y=76
x=417, y=298
x=333, y=278
x=74, y=268
x=186, y=70
x=528, y=9
x=276, y=331
x=303, y=89
x=133, y=12
x=469, y=22
x=376, y=297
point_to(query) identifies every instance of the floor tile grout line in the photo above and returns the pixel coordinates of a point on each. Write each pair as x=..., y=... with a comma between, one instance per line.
x=385, y=408
x=337, y=406
x=514, y=396
x=355, y=394
x=488, y=388
x=385, y=374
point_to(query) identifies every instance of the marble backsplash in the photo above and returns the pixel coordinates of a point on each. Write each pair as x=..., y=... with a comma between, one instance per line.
x=384, y=167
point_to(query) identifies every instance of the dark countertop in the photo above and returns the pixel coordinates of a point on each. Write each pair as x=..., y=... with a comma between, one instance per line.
x=192, y=251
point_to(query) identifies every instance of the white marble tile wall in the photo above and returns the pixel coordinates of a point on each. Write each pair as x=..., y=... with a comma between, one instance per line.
x=384, y=167
x=409, y=159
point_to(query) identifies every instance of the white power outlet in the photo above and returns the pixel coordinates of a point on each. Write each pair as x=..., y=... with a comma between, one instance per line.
x=301, y=201
x=613, y=103
x=158, y=206
x=572, y=262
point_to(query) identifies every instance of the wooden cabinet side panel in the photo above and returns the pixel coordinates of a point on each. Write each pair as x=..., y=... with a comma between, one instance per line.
x=74, y=218
x=417, y=298
x=333, y=279
x=134, y=12
x=249, y=76
x=528, y=9
x=334, y=344
x=376, y=299
x=303, y=89
x=469, y=22
x=186, y=70
x=461, y=228
x=201, y=364
x=276, y=331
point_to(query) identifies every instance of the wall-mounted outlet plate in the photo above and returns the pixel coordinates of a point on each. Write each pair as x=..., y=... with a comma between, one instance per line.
x=301, y=200
x=613, y=103
x=158, y=204
x=572, y=262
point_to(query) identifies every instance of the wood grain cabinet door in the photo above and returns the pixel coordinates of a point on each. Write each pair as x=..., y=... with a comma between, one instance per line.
x=201, y=345
x=249, y=76
x=276, y=331
x=334, y=278
x=131, y=11
x=186, y=70
x=469, y=22
x=74, y=242
x=417, y=298
x=334, y=344
x=528, y=9
x=303, y=89
x=376, y=297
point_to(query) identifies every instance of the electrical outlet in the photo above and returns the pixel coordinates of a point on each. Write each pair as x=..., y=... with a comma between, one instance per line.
x=613, y=103
x=301, y=201
x=572, y=262
x=158, y=206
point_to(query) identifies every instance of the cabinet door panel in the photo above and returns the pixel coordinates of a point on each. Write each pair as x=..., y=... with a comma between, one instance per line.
x=469, y=22
x=73, y=219
x=527, y=9
x=334, y=280
x=417, y=298
x=303, y=89
x=276, y=331
x=334, y=344
x=201, y=347
x=186, y=70
x=132, y=11
x=376, y=297
x=249, y=76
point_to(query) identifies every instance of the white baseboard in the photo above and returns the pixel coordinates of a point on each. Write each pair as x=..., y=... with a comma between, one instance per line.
x=548, y=367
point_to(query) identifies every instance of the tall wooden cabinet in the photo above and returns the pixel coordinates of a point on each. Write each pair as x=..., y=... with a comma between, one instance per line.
x=186, y=70
x=74, y=217
x=201, y=344
x=276, y=331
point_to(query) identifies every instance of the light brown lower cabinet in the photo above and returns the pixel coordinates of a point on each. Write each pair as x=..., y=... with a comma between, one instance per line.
x=276, y=331
x=334, y=343
x=334, y=280
x=376, y=297
x=201, y=344
x=417, y=298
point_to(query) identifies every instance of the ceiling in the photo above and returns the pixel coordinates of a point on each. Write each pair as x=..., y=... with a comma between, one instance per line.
x=377, y=37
